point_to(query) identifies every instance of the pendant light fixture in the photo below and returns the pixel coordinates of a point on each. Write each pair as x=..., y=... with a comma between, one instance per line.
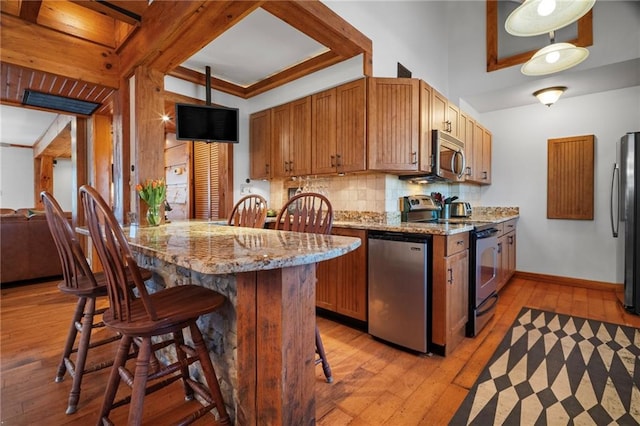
x=550, y=95
x=535, y=17
x=554, y=58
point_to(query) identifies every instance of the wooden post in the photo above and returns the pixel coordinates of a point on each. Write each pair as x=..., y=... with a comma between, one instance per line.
x=148, y=143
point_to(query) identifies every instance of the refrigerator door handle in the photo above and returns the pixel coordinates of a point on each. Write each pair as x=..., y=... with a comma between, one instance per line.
x=614, y=190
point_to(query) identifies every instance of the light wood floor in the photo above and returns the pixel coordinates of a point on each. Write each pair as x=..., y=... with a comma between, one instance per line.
x=374, y=383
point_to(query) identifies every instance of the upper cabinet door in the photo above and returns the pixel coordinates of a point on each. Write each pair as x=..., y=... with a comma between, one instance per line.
x=300, y=140
x=393, y=123
x=426, y=159
x=323, y=132
x=439, y=109
x=291, y=139
x=338, y=129
x=260, y=145
x=280, y=135
x=351, y=127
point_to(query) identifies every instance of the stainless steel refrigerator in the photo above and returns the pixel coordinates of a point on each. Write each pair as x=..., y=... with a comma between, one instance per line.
x=625, y=223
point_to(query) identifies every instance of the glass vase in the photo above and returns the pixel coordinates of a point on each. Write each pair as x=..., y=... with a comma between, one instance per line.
x=153, y=215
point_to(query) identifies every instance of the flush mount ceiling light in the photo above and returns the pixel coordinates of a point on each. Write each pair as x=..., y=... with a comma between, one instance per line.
x=554, y=58
x=535, y=17
x=550, y=95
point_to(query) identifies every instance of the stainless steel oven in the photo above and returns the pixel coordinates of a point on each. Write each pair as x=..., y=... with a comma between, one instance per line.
x=483, y=277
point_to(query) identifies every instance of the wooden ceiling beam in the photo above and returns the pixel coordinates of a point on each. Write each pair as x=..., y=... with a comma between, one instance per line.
x=59, y=130
x=300, y=70
x=322, y=24
x=56, y=53
x=173, y=31
x=199, y=78
x=293, y=73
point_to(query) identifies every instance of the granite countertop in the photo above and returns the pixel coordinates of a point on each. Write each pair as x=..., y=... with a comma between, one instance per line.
x=450, y=227
x=213, y=248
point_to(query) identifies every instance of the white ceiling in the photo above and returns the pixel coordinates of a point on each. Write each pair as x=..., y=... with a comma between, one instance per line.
x=21, y=126
x=257, y=47
x=261, y=45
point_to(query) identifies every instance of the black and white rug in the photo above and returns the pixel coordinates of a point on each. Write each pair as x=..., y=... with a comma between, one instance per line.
x=554, y=369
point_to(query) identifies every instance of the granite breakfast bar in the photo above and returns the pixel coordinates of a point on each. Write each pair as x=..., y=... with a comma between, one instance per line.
x=262, y=340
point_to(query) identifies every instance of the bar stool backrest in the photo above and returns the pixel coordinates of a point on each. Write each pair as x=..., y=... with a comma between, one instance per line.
x=120, y=268
x=250, y=212
x=307, y=212
x=75, y=268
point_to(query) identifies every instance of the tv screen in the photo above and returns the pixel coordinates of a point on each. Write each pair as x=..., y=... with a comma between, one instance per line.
x=206, y=123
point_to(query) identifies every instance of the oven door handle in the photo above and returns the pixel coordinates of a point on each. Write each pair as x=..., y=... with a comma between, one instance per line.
x=483, y=310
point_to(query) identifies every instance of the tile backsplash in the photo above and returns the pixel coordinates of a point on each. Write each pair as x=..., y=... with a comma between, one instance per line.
x=377, y=192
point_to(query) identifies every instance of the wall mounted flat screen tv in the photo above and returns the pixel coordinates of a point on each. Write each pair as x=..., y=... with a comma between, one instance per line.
x=206, y=123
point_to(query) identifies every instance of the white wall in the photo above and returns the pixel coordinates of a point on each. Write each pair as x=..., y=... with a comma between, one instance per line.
x=571, y=248
x=16, y=177
x=62, y=180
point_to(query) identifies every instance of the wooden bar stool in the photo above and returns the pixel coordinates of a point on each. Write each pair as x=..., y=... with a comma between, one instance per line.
x=166, y=312
x=87, y=286
x=250, y=211
x=309, y=212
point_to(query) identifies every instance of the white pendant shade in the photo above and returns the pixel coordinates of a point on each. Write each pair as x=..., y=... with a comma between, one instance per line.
x=535, y=17
x=550, y=95
x=554, y=58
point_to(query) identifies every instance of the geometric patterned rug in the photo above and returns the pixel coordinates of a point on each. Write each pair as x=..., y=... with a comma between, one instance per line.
x=554, y=369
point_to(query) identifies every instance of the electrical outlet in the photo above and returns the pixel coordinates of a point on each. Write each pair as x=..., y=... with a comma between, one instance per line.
x=245, y=189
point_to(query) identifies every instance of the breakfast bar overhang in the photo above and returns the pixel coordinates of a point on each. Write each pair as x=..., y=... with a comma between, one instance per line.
x=262, y=341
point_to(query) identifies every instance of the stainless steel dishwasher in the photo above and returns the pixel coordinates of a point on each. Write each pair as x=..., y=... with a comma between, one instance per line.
x=399, y=288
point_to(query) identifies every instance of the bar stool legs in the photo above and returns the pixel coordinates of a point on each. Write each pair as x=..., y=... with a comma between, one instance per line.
x=141, y=385
x=82, y=323
x=326, y=368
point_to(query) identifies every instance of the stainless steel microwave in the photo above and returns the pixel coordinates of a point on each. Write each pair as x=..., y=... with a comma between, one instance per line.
x=448, y=155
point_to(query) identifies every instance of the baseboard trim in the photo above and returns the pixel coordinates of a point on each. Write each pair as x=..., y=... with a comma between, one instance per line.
x=568, y=281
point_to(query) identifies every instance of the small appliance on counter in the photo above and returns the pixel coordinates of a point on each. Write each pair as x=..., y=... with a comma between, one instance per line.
x=460, y=209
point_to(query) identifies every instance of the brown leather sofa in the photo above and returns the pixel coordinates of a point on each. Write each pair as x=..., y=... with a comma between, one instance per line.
x=27, y=250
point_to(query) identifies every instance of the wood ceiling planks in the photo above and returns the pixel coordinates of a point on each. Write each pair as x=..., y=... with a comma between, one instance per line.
x=15, y=79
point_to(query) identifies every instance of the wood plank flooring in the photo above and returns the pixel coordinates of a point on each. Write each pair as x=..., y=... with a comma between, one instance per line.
x=375, y=384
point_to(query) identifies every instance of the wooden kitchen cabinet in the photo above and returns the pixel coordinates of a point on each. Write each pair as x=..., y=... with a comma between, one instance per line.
x=393, y=124
x=450, y=295
x=342, y=282
x=260, y=145
x=480, y=155
x=338, y=129
x=291, y=139
x=506, y=252
x=468, y=124
x=426, y=150
x=445, y=115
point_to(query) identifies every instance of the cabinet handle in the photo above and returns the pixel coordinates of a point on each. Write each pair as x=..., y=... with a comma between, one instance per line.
x=291, y=166
x=450, y=280
x=460, y=242
x=499, y=248
x=485, y=175
x=447, y=126
x=286, y=166
x=333, y=163
x=510, y=239
x=468, y=171
x=414, y=157
x=266, y=168
x=338, y=160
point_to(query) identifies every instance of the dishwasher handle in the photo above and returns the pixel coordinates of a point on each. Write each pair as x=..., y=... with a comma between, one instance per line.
x=399, y=236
